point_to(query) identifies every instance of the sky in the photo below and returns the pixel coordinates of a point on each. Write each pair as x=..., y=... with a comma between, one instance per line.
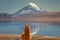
x=11, y=6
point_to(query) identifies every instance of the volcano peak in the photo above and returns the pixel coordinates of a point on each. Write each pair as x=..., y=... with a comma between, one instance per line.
x=34, y=6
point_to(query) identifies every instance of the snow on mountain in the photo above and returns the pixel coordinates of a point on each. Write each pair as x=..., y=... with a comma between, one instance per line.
x=31, y=8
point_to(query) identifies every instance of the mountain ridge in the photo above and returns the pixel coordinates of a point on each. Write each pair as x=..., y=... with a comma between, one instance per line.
x=30, y=9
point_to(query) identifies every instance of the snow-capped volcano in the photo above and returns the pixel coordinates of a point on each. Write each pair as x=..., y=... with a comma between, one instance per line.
x=31, y=8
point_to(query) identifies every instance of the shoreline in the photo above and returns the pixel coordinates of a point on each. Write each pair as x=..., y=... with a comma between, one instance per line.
x=35, y=37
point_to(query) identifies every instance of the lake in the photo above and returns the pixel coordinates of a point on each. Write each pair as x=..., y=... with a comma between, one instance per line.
x=38, y=28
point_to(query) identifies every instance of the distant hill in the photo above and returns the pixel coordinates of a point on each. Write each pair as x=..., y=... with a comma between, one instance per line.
x=52, y=14
x=5, y=15
x=51, y=17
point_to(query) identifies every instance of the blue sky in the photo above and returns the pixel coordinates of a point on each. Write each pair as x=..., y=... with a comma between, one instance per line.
x=11, y=6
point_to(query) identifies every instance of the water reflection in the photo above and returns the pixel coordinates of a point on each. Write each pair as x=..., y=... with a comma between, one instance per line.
x=36, y=28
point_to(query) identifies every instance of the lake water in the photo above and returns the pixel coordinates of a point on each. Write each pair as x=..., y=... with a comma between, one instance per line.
x=40, y=28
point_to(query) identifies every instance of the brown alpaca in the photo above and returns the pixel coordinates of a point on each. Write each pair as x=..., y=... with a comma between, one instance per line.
x=26, y=34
